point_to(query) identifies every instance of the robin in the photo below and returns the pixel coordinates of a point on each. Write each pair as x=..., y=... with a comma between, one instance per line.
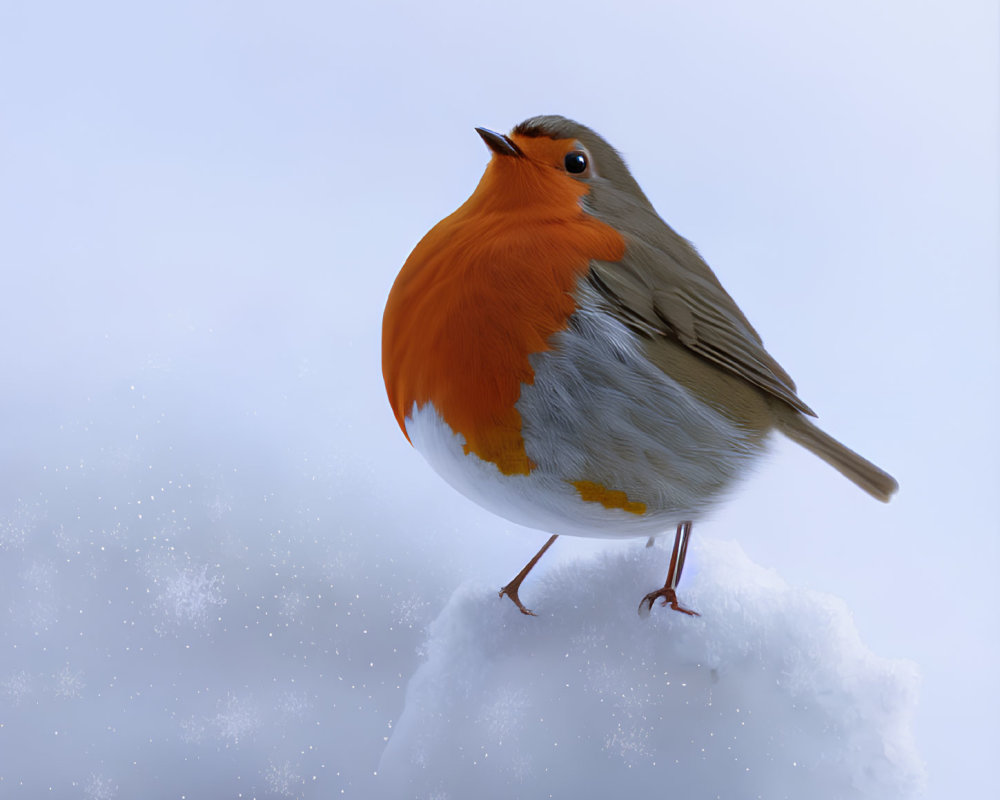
x=564, y=358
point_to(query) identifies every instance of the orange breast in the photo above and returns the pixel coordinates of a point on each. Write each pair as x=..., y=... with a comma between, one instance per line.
x=484, y=289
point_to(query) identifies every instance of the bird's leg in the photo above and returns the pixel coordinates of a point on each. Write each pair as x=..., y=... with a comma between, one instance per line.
x=511, y=588
x=669, y=590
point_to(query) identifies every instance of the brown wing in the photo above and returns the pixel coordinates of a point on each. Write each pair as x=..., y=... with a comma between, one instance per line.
x=663, y=287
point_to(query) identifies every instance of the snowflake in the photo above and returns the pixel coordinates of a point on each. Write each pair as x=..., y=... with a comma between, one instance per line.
x=68, y=541
x=294, y=704
x=504, y=716
x=282, y=779
x=237, y=720
x=98, y=788
x=219, y=508
x=193, y=731
x=588, y=640
x=68, y=682
x=343, y=561
x=14, y=529
x=114, y=533
x=291, y=602
x=36, y=606
x=631, y=740
x=17, y=686
x=189, y=594
x=411, y=611
x=630, y=733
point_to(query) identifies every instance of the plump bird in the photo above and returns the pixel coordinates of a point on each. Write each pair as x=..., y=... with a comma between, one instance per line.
x=564, y=358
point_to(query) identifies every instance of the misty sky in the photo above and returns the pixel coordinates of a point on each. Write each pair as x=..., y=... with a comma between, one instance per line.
x=203, y=206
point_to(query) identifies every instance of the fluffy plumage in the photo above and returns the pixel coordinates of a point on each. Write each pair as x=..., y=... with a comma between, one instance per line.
x=562, y=356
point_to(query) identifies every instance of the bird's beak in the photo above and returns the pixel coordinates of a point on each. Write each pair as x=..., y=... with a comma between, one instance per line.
x=499, y=143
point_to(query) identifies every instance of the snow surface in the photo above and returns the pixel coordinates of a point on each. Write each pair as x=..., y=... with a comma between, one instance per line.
x=769, y=694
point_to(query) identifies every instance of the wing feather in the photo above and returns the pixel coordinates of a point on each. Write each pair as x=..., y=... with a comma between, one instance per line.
x=666, y=289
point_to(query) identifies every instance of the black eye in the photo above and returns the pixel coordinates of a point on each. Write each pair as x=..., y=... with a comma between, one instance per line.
x=575, y=162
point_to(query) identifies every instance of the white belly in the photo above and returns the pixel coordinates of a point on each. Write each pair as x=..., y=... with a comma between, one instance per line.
x=598, y=411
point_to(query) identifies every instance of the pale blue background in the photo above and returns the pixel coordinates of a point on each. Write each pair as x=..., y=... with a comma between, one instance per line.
x=202, y=208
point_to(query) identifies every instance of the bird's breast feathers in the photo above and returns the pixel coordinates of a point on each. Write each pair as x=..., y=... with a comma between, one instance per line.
x=612, y=446
x=477, y=297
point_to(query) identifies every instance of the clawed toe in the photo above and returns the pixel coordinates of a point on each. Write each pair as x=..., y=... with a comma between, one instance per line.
x=669, y=598
x=511, y=588
x=669, y=590
x=511, y=592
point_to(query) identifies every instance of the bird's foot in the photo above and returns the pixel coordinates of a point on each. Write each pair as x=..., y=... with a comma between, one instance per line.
x=669, y=598
x=510, y=590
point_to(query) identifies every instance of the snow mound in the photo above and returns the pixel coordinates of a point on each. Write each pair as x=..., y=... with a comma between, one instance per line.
x=770, y=693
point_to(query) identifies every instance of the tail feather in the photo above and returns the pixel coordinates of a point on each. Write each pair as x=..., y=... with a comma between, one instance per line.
x=877, y=483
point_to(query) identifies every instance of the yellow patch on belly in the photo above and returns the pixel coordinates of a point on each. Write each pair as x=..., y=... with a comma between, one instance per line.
x=609, y=498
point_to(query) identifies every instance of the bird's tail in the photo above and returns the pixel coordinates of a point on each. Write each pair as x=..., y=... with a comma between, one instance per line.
x=877, y=483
